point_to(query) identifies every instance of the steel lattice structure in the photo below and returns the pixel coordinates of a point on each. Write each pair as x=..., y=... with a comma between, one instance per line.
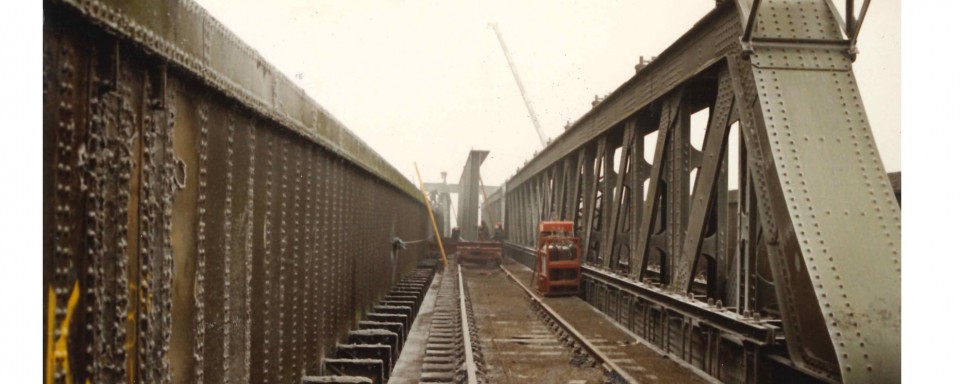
x=797, y=274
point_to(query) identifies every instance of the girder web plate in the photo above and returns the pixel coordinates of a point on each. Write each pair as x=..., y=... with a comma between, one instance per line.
x=843, y=214
x=185, y=35
x=193, y=235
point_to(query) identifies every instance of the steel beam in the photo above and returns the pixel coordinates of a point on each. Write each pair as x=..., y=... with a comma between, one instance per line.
x=455, y=188
x=814, y=209
x=705, y=191
x=206, y=222
x=715, y=35
x=189, y=38
x=469, y=196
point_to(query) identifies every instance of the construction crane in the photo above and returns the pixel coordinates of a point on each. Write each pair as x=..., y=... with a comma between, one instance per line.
x=516, y=77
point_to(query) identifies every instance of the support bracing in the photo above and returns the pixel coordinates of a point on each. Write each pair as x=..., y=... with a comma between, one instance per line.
x=768, y=276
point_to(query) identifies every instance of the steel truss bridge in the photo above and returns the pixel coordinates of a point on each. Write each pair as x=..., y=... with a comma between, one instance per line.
x=725, y=281
x=205, y=221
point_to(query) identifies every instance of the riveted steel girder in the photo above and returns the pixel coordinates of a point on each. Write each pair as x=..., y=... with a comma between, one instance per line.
x=204, y=221
x=186, y=36
x=808, y=245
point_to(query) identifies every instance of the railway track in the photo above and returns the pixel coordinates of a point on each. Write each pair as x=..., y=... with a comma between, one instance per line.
x=520, y=344
x=505, y=334
x=597, y=342
x=610, y=367
x=452, y=355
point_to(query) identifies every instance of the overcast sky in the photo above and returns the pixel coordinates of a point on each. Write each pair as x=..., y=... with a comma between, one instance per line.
x=426, y=81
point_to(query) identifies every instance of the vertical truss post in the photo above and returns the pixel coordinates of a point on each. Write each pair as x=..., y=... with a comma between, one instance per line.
x=640, y=171
x=748, y=238
x=705, y=189
x=618, y=203
x=678, y=186
x=558, y=188
x=819, y=179
x=668, y=117
x=589, y=201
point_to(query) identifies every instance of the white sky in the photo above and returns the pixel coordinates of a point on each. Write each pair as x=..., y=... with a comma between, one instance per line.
x=426, y=81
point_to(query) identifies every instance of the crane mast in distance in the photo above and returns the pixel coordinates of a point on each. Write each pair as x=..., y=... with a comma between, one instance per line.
x=523, y=91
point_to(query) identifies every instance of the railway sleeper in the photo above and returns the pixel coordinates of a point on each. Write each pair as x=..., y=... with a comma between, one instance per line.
x=444, y=359
x=580, y=356
x=438, y=377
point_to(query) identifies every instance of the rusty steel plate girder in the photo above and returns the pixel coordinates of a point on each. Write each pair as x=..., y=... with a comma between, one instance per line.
x=204, y=221
x=183, y=34
x=809, y=244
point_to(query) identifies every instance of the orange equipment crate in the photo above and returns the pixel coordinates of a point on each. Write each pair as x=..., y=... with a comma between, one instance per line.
x=558, y=259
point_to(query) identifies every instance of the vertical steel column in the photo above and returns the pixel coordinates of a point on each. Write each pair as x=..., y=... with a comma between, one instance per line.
x=705, y=189
x=591, y=202
x=678, y=187
x=578, y=198
x=669, y=119
x=467, y=210
x=608, y=144
x=618, y=230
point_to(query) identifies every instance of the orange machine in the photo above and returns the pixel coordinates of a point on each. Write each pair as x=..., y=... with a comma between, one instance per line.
x=558, y=259
x=479, y=251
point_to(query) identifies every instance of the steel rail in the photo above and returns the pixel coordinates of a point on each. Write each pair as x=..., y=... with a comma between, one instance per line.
x=597, y=354
x=471, y=366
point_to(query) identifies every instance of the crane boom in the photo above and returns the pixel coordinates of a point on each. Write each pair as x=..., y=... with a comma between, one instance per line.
x=516, y=77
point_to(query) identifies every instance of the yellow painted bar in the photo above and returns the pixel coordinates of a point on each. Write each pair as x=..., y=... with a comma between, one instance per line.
x=433, y=221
